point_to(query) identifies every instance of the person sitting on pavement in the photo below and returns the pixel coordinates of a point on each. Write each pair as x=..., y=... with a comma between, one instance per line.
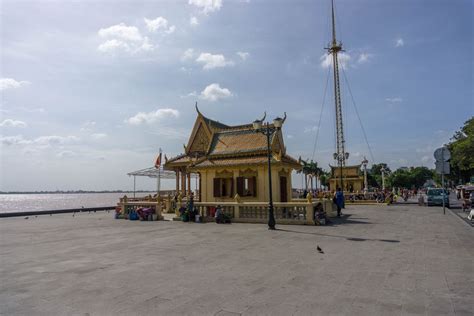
x=219, y=215
x=221, y=218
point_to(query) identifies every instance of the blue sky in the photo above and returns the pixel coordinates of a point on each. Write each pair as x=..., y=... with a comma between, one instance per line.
x=90, y=90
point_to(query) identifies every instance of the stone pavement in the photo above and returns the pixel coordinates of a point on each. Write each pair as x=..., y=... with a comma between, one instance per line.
x=379, y=260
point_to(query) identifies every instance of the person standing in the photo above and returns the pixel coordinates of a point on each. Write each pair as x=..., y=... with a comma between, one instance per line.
x=339, y=200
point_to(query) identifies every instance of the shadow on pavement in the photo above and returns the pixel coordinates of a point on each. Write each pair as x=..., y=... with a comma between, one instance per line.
x=345, y=219
x=339, y=236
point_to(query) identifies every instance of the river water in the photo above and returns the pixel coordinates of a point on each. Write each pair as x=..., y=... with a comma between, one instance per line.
x=40, y=202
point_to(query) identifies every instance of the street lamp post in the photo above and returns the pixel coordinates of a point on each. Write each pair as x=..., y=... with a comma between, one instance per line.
x=364, y=163
x=383, y=178
x=268, y=130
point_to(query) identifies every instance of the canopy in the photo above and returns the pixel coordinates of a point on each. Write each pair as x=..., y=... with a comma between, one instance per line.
x=153, y=172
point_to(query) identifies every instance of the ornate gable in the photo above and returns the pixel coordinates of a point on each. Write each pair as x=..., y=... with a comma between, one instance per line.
x=200, y=140
x=278, y=145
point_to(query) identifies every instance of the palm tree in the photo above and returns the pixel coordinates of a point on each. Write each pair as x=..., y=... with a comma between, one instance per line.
x=311, y=171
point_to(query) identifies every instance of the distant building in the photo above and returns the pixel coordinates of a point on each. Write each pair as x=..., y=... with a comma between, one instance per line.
x=352, y=179
x=232, y=160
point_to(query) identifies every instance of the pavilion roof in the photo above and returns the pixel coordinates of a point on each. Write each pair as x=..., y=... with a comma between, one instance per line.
x=237, y=141
x=244, y=160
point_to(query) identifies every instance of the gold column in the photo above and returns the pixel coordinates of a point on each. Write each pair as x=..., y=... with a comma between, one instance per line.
x=183, y=183
x=177, y=181
x=189, y=184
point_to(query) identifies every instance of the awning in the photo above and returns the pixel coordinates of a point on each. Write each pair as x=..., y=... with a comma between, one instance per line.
x=153, y=172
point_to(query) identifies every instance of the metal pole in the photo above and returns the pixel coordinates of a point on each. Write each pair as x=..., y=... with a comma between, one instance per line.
x=442, y=177
x=342, y=183
x=383, y=179
x=134, y=185
x=271, y=217
x=159, y=182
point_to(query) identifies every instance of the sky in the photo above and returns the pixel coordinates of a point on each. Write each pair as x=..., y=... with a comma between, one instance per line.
x=90, y=90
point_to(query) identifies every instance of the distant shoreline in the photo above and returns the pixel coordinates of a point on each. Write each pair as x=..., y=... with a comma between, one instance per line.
x=73, y=192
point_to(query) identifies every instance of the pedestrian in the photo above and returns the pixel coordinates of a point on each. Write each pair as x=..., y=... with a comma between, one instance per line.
x=339, y=200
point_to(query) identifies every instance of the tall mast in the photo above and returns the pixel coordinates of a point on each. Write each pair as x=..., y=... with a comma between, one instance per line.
x=334, y=49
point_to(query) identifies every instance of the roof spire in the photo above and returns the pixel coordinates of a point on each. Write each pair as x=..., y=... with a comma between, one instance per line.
x=197, y=109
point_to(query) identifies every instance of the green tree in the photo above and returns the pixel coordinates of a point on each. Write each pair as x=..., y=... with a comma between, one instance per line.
x=409, y=178
x=374, y=174
x=462, y=153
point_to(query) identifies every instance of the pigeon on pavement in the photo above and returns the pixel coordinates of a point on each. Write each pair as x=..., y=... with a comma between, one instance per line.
x=319, y=249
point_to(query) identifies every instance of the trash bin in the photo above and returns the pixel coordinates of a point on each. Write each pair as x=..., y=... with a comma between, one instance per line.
x=197, y=218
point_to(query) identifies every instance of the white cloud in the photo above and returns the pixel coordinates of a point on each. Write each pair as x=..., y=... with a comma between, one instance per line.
x=123, y=38
x=121, y=31
x=66, y=154
x=364, y=57
x=343, y=58
x=211, y=61
x=41, y=141
x=207, y=6
x=55, y=140
x=310, y=129
x=399, y=42
x=159, y=24
x=394, y=100
x=214, y=92
x=98, y=136
x=152, y=117
x=188, y=54
x=243, y=55
x=145, y=46
x=12, y=123
x=10, y=83
x=191, y=94
x=13, y=140
x=193, y=21
x=113, y=45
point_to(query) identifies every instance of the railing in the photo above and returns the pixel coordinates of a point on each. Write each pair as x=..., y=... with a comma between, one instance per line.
x=51, y=212
x=300, y=211
x=126, y=205
x=257, y=212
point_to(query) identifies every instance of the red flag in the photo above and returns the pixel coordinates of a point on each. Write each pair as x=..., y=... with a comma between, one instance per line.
x=158, y=161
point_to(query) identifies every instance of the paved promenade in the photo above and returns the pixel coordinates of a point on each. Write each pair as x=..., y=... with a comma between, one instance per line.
x=379, y=260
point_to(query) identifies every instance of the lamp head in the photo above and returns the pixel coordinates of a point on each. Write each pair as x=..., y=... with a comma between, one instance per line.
x=278, y=122
x=257, y=125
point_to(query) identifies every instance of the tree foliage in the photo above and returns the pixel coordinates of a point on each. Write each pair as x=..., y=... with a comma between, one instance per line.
x=410, y=178
x=462, y=153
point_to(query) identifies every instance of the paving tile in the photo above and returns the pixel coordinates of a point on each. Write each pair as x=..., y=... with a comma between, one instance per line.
x=100, y=266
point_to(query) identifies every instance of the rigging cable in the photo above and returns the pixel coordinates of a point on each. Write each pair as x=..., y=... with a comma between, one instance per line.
x=357, y=112
x=321, y=113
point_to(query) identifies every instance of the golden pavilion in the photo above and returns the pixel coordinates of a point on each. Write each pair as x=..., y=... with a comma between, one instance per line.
x=352, y=180
x=232, y=160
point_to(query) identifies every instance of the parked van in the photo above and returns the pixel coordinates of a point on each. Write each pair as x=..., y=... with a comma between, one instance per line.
x=436, y=196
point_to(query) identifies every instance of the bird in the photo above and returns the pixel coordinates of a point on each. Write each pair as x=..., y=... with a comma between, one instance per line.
x=26, y=217
x=319, y=249
x=36, y=215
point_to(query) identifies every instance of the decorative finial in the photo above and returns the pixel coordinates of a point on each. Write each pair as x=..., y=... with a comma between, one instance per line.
x=264, y=116
x=197, y=109
x=284, y=118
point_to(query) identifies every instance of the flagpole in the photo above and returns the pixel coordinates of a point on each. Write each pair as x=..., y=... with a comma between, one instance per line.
x=159, y=176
